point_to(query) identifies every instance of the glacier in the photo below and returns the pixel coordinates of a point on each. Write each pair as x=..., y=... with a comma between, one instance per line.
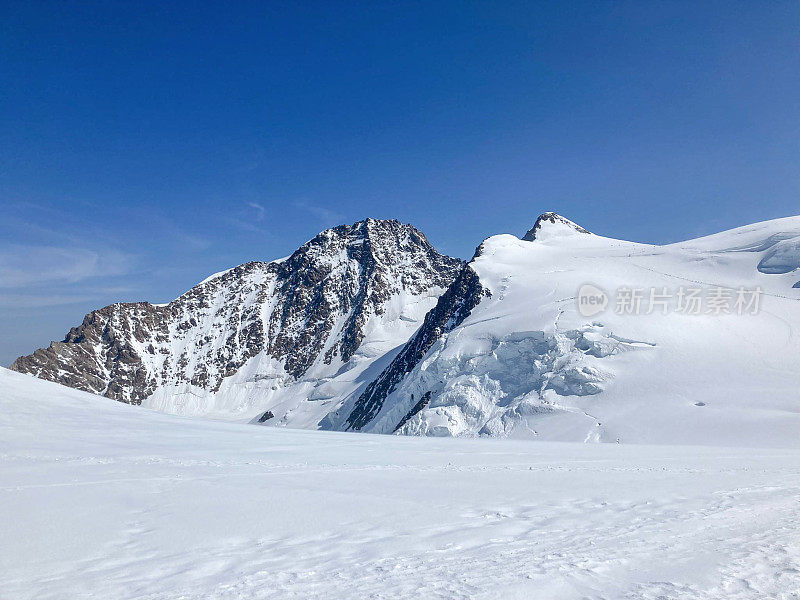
x=526, y=363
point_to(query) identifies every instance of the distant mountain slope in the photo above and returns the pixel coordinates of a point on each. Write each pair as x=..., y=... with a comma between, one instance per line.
x=524, y=362
x=288, y=336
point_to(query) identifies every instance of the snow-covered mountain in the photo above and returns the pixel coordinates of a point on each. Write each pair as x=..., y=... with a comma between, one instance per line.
x=558, y=335
x=289, y=337
x=508, y=351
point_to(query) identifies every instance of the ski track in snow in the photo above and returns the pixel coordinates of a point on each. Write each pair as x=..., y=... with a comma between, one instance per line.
x=103, y=500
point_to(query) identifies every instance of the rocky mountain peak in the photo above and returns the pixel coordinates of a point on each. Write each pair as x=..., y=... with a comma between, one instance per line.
x=307, y=312
x=369, y=239
x=553, y=224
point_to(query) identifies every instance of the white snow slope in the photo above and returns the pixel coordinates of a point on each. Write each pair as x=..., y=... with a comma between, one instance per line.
x=100, y=499
x=526, y=363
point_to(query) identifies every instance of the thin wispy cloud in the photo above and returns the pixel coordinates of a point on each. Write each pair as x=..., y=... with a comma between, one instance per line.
x=260, y=210
x=243, y=225
x=192, y=241
x=250, y=218
x=24, y=266
x=42, y=300
x=328, y=216
x=15, y=227
x=36, y=299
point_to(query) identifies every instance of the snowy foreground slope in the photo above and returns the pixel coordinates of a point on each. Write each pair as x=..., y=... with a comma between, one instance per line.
x=101, y=499
x=524, y=359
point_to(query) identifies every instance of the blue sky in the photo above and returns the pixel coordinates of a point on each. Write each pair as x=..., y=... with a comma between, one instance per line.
x=144, y=146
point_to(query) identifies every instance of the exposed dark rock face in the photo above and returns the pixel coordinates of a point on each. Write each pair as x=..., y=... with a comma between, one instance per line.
x=421, y=403
x=453, y=307
x=550, y=217
x=305, y=310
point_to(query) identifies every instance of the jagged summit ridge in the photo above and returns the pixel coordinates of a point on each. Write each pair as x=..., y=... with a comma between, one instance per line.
x=551, y=221
x=300, y=318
